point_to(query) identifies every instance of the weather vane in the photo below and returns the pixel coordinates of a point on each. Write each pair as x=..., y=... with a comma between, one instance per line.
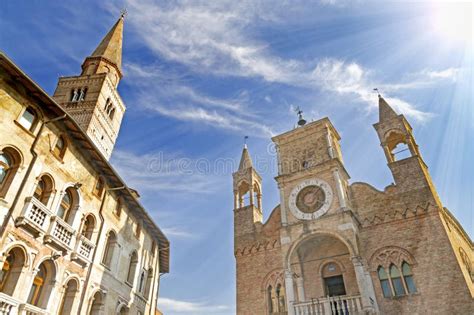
x=245, y=141
x=377, y=90
x=301, y=121
x=123, y=13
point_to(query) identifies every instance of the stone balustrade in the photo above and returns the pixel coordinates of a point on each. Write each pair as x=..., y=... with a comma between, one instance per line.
x=60, y=232
x=335, y=305
x=34, y=216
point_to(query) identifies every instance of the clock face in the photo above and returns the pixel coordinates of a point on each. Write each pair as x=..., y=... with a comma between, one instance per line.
x=310, y=199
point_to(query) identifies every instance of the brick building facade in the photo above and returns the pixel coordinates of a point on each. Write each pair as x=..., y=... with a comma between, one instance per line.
x=331, y=247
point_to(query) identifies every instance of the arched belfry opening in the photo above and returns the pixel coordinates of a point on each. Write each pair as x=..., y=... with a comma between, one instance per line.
x=397, y=146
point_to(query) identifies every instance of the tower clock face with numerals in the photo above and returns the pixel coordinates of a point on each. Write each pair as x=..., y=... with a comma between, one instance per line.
x=310, y=199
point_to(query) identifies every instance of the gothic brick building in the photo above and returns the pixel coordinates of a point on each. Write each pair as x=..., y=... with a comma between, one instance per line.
x=74, y=238
x=331, y=247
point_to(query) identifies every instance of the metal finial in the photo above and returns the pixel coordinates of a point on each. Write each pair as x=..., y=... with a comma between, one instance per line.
x=245, y=141
x=378, y=93
x=301, y=121
x=123, y=13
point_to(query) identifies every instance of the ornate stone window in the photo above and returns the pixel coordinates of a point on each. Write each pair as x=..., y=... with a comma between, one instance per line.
x=67, y=300
x=68, y=205
x=275, y=296
x=43, y=284
x=394, y=270
x=149, y=280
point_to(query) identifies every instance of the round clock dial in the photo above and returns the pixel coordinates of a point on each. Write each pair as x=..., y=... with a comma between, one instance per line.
x=310, y=199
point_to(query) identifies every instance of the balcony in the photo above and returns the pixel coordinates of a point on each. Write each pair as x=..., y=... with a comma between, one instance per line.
x=27, y=309
x=84, y=250
x=34, y=216
x=334, y=305
x=8, y=305
x=60, y=233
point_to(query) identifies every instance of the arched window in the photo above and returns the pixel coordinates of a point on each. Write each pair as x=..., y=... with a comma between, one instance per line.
x=280, y=298
x=408, y=277
x=396, y=281
x=99, y=187
x=11, y=270
x=109, y=249
x=83, y=93
x=28, y=119
x=132, y=267
x=38, y=283
x=9, y=163
x=384, y=282
x=270, y=299
x=60, y=147
x=112, y=113
x=97, y=304
x=142, y=282
x=43, y=285
x=67, y=301
x=149, y=280
x=88, y=228
x=43, y=189
x=65, y=207
x=118, y=207
x=75, y=95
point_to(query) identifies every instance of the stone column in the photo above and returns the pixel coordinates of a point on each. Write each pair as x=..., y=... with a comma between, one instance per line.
x=251, y=192
x=236, y=199
x=330, y=147
x=339, y=188
x=290, y=294
x=300, y=287
x=366, y=287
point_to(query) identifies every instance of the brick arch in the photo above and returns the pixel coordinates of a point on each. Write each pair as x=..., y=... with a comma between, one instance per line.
x=353, y=251
x=387, y=255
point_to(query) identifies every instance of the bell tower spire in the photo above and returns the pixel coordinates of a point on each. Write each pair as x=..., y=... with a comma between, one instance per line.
x=108, y=55
x=247, y=195
x=91, y=98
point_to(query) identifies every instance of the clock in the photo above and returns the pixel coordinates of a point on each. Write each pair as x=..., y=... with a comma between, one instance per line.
x=310, y=199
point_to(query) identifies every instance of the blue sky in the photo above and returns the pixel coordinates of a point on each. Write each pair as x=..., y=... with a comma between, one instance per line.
x=199, y=75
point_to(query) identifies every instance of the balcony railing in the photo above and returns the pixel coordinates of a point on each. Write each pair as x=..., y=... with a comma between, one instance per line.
x=8, y=305
x=28, y=309
x=84, y=249
x=60, y=233
x=34, y=216
x=335, y=305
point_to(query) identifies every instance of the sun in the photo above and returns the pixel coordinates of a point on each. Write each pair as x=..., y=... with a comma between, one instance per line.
x=454, y=20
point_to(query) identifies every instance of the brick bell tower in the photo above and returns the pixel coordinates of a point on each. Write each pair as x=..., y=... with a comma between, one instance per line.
x=91, y=98
x=247, y=197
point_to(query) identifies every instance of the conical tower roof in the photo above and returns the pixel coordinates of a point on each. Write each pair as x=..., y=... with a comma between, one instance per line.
x=245, y=160
x=110, y=47
x=385, y=111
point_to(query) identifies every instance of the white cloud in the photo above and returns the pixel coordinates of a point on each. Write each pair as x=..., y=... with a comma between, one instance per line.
x=196, y=308
x=353, y=80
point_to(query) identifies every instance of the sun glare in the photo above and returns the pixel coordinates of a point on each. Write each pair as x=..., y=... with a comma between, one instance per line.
x=453, y=20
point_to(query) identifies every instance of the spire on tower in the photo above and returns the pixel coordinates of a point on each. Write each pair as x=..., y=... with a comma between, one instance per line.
x=110, y=47
x=245, y=160
x=385, y=111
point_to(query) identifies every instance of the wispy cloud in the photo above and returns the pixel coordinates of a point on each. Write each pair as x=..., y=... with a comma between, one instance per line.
x=156, y=173
x=179, y=101
x=178, y=232
x=350, y=78
x=196, y=308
